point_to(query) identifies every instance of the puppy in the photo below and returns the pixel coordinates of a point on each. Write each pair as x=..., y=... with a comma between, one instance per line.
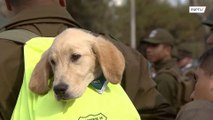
x=75, y=59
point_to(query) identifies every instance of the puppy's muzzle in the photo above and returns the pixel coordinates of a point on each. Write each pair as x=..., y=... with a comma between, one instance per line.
x=60, y=90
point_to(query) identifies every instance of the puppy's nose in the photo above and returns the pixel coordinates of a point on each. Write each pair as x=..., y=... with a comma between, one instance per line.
x=60, y=89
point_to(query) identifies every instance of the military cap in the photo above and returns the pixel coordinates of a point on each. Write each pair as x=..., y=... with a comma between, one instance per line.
x=184, y=50
x=160, y=36
x=209, y=20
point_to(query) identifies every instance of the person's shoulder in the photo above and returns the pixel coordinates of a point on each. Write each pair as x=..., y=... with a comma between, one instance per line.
x=166, y=73
x=165, y=76
x=197, y=104
x=196, y=110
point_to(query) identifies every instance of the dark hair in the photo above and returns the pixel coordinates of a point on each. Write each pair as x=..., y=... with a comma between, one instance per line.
x=206, y=61
x=18, y=3
x=15, y=2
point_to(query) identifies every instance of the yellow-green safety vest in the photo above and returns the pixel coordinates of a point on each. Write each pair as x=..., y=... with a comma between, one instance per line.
x=112, y=104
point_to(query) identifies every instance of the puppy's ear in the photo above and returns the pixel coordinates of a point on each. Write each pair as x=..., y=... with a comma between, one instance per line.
x=110, y=59
x=41, y=73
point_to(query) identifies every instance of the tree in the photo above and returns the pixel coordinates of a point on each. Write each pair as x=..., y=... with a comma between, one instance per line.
x=102, y=16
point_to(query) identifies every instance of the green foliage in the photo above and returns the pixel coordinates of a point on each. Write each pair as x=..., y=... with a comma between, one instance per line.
x=185, y=27
x=102, y=16
x=95, y=15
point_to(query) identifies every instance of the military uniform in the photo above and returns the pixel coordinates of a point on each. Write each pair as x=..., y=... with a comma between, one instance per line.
x=184, y=52
x=209, y=22
x=188, y=69
x=196, y=110
x=167, y=83
x=137, y=82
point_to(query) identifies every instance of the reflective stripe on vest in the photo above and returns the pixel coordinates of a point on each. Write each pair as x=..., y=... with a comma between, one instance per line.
x=113, y=104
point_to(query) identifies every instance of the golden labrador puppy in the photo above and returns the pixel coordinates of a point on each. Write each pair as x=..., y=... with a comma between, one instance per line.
x=76, y=58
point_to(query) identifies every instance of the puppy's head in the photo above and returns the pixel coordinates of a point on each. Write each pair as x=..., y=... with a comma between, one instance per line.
x=76, y=58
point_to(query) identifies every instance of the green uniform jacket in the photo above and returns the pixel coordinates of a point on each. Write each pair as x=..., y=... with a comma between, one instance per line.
x=167, y=84
x=196, y=110
x=137, y=82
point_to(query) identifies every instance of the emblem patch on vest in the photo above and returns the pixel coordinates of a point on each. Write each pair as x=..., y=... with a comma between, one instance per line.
x=98, y=116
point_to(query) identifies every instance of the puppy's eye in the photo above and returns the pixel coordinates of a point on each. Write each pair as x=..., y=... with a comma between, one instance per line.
x=75, y=57
x=52, y=62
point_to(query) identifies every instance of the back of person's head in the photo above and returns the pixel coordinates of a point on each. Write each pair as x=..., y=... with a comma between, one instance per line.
x=19, y=5
x=206, y=62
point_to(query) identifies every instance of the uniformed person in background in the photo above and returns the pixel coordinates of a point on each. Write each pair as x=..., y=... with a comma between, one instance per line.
x=159, y=49
x=188, y=66
x=209, y=22
x=202, y=106
x=186, y=62
x=49, y=18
